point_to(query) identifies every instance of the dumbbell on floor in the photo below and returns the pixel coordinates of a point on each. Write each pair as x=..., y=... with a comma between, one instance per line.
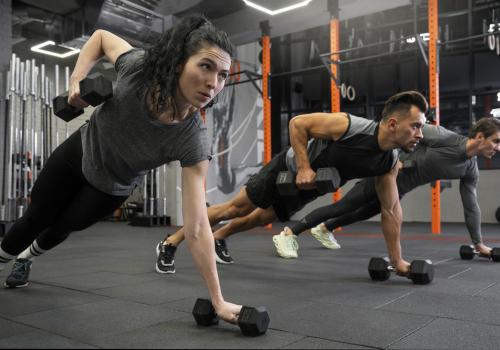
x=253, y=321
x=467, y=252
x=326, y=180
x=421, y=271
x=94, y=89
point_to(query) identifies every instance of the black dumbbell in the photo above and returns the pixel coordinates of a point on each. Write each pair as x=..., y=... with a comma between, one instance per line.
x=253, y=321
x=421, y=271
x=94, y=89
x=326, y=180
x=442, y=184
x=467, y=252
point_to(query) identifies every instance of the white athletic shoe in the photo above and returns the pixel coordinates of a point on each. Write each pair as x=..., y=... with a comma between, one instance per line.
x=325, y=237
x=286, y=246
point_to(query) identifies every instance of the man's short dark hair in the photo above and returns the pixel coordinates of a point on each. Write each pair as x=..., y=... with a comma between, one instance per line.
x=402, y=102
x=487, y=125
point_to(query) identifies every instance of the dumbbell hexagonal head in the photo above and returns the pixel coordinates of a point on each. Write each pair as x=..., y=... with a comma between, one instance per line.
x=495, y=254
x=285, y=182
x=466, y=252
x=378, y=268
x=204, y=313
x=327, y=180
x=421, y=271
x=63, y=109
x=253, y=321
x=95, y=89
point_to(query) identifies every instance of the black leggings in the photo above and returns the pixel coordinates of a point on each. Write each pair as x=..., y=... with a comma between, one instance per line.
x=360, y=203
x=362, y=213
x=62, y=201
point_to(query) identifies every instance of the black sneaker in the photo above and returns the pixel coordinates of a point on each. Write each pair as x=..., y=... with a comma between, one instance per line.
x=18, y=278
x=165, y=258
x=221, y=253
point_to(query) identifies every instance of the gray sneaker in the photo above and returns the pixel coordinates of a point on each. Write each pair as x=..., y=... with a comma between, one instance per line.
x=165, y=258
x=286, y=245
x=18, y=278
x=325, y=237
x=222, y=253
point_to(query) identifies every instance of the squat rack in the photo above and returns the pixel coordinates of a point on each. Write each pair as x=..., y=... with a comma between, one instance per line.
x=331, y=62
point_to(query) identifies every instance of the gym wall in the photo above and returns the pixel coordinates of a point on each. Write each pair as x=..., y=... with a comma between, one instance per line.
x=236, y=141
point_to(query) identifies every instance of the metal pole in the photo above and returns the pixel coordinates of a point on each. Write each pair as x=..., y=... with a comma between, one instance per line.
x=434, y=102
x=151, y=192
x=66, y=88
x=333, y=7
x=145, y=195
x=34, y=153
x=10, y=99
x=56, y=93
x=164, y=186
x=43, y=136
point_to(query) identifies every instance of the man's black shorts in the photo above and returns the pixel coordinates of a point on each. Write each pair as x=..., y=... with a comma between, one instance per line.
x=262, y=190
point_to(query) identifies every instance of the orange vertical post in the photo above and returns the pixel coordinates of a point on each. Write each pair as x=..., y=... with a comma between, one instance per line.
x=334, y=89
x=266, y=71
x=266, y=99
x=334, y=47
x=434, y=102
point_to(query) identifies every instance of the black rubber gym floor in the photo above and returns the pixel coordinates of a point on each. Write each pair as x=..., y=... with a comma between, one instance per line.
x=99, y=289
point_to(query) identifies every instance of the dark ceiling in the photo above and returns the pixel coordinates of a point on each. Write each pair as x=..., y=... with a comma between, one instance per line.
x=64, y=20
x=141, y=22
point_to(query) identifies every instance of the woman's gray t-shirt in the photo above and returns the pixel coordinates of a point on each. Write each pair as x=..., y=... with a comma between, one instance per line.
x=122, y=141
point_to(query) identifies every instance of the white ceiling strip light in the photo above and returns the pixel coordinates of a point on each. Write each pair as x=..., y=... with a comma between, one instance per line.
x=278, y=11
x=39, y=48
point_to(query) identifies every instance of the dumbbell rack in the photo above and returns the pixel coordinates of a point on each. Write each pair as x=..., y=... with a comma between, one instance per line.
x=154, y=211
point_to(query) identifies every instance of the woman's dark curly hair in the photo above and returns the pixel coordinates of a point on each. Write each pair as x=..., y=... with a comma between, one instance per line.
x=173, y=49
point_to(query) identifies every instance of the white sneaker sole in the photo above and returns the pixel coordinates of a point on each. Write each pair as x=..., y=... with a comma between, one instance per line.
x=12, y=287
x=163, y=272
x=157, y=250
x=220, y=261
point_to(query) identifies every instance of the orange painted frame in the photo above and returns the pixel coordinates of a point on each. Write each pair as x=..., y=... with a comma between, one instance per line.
x=334, y=89
x=266, y=71
x=434, y=102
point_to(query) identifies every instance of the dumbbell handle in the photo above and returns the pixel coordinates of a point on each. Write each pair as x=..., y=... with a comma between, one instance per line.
x=391, y=268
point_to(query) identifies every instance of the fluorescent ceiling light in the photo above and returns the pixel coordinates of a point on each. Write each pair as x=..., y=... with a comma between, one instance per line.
x=495, y=112
x=39, y=48
x=278, y=11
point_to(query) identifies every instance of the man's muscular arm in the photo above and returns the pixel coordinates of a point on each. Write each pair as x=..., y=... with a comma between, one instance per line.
x=392, y=217
x=330, y=126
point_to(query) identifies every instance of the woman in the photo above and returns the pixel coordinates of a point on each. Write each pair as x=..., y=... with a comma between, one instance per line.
x=153, y=118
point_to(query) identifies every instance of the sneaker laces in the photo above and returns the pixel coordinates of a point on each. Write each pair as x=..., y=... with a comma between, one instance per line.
x=167, y=251
x=327, y=233
x=19, y=269
x=331, y=237
x=221, y=243
x=291, y=243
